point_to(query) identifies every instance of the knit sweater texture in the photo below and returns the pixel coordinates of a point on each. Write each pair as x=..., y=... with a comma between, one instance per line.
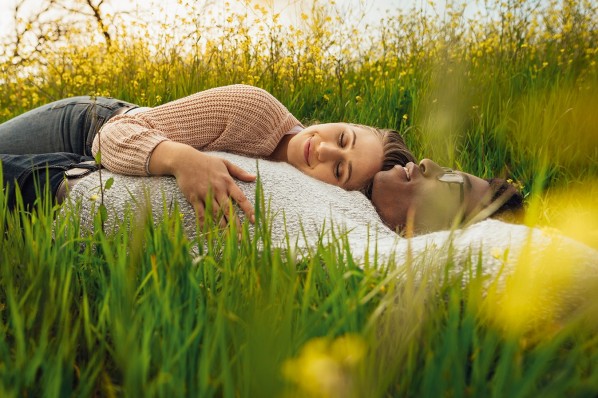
x=303, y=212
x=238, y=119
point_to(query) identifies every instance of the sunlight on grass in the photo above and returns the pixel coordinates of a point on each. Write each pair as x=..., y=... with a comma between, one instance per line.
x=574, y=210
x=538, y=295
x=143, y=310
x=531, y=298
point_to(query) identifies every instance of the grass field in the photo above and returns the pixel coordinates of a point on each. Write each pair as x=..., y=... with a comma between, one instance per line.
x=512, y=94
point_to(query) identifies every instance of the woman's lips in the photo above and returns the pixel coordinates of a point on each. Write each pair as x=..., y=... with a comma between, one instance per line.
x=306, y=149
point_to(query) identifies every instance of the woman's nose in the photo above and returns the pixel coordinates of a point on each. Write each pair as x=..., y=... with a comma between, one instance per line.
x=429, y=168
x=326, y=152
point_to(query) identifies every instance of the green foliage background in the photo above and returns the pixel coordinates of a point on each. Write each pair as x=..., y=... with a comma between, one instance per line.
x=512, y=93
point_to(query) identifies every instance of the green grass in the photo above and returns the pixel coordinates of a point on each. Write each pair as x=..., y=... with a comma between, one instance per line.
x=148, y=312
x=144, y=311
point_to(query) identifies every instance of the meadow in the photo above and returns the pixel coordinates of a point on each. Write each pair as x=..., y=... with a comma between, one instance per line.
x=150, y=312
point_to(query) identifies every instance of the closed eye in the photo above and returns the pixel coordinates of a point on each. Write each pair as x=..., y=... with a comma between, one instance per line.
x=341, y=140
x=338, y=170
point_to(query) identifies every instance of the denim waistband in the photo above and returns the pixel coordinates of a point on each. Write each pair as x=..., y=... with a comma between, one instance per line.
x=99, y=112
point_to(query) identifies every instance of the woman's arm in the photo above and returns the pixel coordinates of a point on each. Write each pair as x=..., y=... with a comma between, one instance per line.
x=237, y=119
x=164, y=141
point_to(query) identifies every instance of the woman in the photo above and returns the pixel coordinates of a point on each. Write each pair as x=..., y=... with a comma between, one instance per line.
x=165, y=140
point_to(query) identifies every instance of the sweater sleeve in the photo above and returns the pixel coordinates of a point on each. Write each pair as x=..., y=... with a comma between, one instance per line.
x=239, y=119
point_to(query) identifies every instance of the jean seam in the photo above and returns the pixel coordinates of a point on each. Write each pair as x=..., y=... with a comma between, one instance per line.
x=23, y=177
x=101, y=120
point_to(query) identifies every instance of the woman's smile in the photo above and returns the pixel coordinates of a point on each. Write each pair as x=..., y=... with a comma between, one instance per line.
x=337, y=153
x=307, y=150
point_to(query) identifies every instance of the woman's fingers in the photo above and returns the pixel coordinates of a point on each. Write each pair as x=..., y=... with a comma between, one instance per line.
x=241, y=200
x=219, y=213
x=198, y=206
x=201, y=176
x=238, y=172
x=231, y=214
x=227, y=211
x=235, y=192
x=220, y=210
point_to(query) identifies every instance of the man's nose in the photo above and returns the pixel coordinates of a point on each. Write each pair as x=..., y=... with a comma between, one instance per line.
x=327, y=151
x=430, y=168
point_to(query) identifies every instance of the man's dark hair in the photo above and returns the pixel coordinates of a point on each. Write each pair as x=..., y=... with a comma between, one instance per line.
x=509, y=194
x=395, y=153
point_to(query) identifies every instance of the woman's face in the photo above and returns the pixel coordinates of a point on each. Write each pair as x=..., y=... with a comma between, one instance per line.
x=424, y=198
x=337, y=153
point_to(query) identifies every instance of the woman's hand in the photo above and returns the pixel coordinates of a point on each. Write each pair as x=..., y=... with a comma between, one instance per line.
x=199, y=175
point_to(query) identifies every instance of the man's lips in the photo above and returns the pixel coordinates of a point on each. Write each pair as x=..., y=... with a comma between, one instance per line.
x=407, y=173
x=306, y=149
x=410, y=170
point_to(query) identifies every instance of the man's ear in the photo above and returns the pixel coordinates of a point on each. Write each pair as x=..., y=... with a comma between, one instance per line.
x=487, y=211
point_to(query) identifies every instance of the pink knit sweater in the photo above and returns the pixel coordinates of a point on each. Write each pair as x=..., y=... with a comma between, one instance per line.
x=239, y=119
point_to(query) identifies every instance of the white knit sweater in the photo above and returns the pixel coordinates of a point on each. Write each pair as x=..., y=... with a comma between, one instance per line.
x=302, y=207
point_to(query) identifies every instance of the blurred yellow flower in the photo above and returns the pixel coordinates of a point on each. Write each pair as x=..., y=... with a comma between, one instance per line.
x=326, y=368
x=496, y=253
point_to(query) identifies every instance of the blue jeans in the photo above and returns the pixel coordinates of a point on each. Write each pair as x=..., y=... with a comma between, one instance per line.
x=67, y=125
x=34, y=174
x=40, y=145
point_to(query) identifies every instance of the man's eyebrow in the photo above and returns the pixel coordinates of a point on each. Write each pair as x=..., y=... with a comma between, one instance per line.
x=467, y=180
x=350, y=164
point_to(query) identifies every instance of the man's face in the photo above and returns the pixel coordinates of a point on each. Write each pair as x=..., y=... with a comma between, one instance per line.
x=425, y=198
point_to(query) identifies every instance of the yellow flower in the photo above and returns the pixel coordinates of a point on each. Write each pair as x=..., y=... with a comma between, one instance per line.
x=324, y=368
x=496, y=253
